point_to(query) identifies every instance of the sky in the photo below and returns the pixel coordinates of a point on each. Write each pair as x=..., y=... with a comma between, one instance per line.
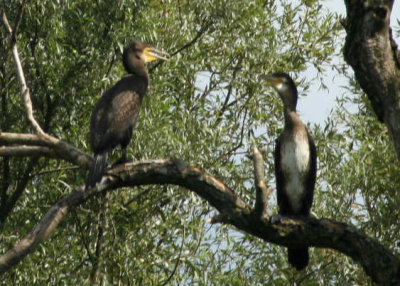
x=316, y=106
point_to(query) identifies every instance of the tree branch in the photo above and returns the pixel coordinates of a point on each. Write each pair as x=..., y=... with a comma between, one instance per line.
x=94, y=273
x=380, y=264
x=185, y=46
x=260, y=206
x=26, y=151
x=8, y=138
x=22, y=181
x=25, y=96
x=58, y=148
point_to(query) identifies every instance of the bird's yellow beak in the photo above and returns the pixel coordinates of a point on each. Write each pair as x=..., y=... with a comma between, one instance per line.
x=152, y=54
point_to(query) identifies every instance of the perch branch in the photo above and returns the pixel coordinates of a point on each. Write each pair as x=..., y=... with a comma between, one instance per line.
x=379, y=263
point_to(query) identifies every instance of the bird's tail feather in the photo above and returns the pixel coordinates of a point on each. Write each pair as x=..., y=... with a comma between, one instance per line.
x=298, y=257
x=97, y=169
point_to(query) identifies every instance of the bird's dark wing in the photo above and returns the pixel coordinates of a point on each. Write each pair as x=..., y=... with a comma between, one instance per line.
x=114, y=115
x=311, y=176
x=283, y=202
x=126, y=106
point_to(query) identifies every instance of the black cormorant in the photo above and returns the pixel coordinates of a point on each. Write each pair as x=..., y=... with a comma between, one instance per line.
x=117, y=111
x=295, y=163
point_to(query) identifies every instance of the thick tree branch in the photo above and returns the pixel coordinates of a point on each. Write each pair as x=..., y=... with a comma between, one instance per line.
x=26, y=151
x=380, y=264
x=55, y=148
x=373, y=55
x=8, y=138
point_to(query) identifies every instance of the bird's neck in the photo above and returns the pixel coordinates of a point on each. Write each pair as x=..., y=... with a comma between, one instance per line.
x=292, y=120
x=137, y=69
x=143, y=76
x=141, y=73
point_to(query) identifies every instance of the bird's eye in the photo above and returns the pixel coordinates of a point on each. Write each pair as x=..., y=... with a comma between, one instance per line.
x=137, y=57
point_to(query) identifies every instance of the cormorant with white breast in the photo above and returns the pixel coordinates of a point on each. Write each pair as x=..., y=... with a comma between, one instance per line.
x=295, y=163
x=116, y=113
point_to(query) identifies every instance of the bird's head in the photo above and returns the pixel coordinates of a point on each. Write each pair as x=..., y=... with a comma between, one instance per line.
x=285, y=87
x=137, y=54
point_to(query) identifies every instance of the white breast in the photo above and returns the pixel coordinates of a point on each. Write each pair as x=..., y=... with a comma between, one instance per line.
x=295, y=162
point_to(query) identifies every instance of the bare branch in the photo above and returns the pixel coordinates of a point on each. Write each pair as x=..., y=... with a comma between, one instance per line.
x=380, y=264
x=194, y=40
x=222, y=110
x=8, y=138
x=25, y=96
x=260, y=207
x=187, y=45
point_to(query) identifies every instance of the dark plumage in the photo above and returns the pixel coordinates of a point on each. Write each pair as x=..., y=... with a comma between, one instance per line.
x=295, y=163
x=117, y=112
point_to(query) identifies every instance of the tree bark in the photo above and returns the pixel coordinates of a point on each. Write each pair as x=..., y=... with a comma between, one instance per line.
x=373, y=54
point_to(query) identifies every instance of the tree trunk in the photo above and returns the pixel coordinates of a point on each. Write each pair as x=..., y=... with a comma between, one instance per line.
x=375, y=59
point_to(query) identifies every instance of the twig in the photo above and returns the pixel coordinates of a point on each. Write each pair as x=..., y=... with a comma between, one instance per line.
x=221, y=112
x=17, y=22
x=5, y=185
x=81, y=233
x=260, y=206
x=100, y=239
x=240, y=144
x=55, y=170
x=177, y=260
x=12, y=200
x=187, y=45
